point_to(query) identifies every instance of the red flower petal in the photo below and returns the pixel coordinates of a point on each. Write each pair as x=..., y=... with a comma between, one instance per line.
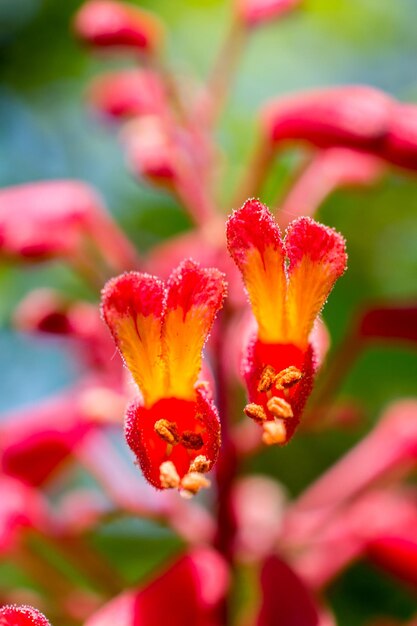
x=105, y=23
x=13, y=615
x=199, y=417
x=285, y=599
x=133, y=306
x=255, y=12
x=195, y=295
x=255, y=244
x=354, y=116
x=317, y=256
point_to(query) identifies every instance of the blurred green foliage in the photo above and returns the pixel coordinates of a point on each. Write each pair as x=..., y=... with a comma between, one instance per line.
x=46, y=132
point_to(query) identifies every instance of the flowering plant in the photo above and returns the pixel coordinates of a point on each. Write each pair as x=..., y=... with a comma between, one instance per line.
x=203, y=355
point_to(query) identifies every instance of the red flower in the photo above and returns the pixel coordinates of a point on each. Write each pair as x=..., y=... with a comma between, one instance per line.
x=160, y=331
x=106, y=24
x=13, y=615
x=280, y=361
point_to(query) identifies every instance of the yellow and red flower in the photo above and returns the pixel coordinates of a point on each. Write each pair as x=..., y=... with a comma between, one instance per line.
x=288, y=282
x=160, y=330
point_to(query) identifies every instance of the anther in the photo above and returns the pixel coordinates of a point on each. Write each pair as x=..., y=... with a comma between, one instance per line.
x=168, y=475
x=192, y=440
x=200, y=464
x=274, y=433
x=167, y=431
x=255, y=412
x=267, y=379
x=288, y=377
x=192, y=483
x=279, y=407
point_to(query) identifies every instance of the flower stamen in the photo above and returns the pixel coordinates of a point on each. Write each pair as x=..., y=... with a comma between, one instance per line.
x=200, y=464
x=192, y=483
x=255, y=412
x=280, y=408
x=288, y=377
x=192, y=440
x=168, y=475
x=267, y=379
x=274, y=433
x=167, y=431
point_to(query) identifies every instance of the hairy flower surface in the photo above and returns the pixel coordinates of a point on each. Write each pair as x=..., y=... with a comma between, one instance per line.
x=13, y=615
x=288, y=282
x=160, y=330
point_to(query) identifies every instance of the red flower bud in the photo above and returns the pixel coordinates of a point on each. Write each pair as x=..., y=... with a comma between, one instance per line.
x=108, y=24
x=353, y=116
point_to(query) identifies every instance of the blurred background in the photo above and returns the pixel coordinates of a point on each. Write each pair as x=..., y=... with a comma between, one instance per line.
x=46, y=131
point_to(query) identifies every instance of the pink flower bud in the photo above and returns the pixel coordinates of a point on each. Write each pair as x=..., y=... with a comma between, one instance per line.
x=256, y=12
x=109, y=24
x=128, y=93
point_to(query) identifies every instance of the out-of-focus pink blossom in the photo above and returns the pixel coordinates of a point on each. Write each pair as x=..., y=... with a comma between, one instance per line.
x=58, y=218
x=49, y=312
x=258, y=503
x=21, y=507
x=256, y=12
x=13, y=615
x=391, y=446
x=172, y=156
x=36, y=442
x=111, y=24
x=189, y=592
x=351, y=529
x=354, y=116
x=128, y=93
